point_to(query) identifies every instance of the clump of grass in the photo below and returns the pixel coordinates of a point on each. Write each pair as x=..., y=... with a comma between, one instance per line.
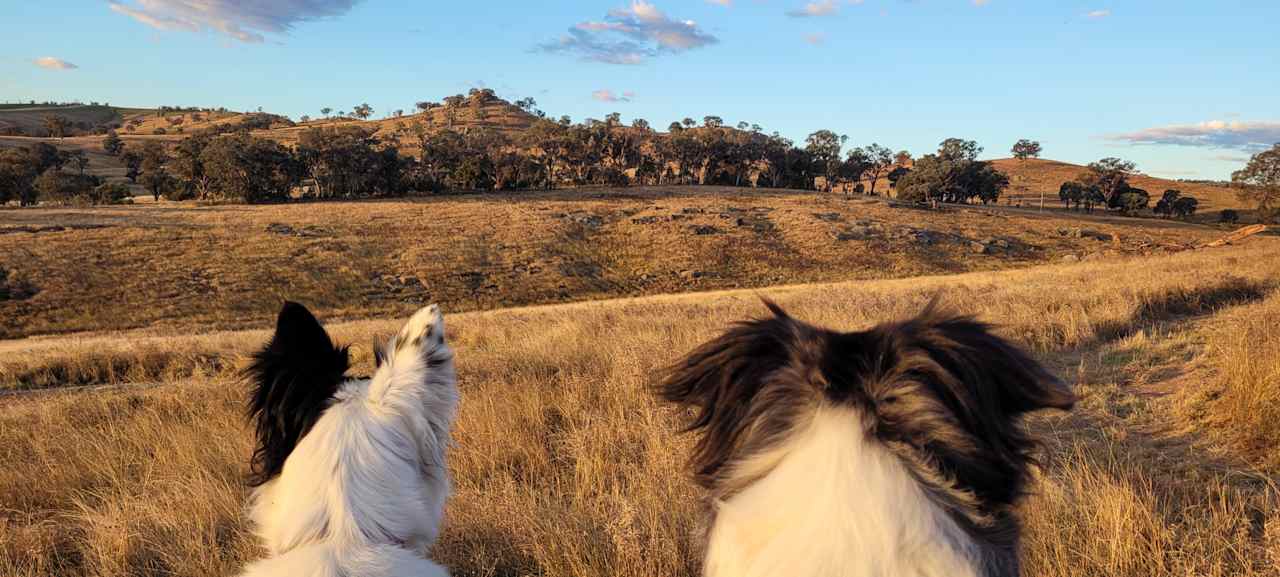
x=1242, y=401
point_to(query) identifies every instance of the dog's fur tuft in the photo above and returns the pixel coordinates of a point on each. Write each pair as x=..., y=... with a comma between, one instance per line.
x=350, y=474
x=940, y=394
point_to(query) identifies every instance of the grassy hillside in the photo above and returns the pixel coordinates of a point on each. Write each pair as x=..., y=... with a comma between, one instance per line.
x=185, y=266
x=565, y=466
x=1029, y=178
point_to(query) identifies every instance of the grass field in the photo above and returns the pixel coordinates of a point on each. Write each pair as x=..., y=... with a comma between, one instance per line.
x=184, y=267
x=565, y=465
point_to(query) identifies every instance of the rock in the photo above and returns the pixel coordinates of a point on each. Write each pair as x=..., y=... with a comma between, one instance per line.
x=646, y=220
x=1084, y=233
x=587, y=220
x=691, y=274
x=979, y=247
x=279, y=228
x=692, y=210
x=854, y=233
x=705, y=229
x=1093, y=256
x=828, y=216
x=1070, y=258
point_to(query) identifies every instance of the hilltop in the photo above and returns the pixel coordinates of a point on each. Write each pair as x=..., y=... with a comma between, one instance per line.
x=1029, y=178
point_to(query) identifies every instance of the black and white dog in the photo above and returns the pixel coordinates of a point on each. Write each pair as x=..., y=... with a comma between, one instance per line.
x=350, y=473
x=892, y=452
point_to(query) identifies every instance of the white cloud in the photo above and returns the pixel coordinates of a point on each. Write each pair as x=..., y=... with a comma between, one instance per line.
x=630, y=36
x=981, y=2
x=244, y=20
x=1096, y=14
x=605, y=95
x=725, y=3
x=818, y=8
x=1234, y=134
x=816, y=39
x=54, y=63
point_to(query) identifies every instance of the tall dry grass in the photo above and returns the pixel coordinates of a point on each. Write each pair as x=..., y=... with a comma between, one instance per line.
x=564, y=465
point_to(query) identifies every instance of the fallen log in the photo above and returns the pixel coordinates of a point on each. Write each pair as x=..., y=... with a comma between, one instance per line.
x=1238, y=235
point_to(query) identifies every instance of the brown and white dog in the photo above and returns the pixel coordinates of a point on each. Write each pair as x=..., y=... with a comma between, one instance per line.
x=896, y=451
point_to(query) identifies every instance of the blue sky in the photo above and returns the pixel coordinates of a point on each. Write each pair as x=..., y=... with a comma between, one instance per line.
x=1185, y=89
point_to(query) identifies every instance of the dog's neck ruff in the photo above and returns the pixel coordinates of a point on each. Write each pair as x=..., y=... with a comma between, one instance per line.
x=834, y=503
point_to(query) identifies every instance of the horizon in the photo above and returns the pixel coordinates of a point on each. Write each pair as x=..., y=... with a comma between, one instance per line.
x=987, y=70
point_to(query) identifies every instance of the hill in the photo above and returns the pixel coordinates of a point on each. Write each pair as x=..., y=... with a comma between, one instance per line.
x=222, y=266
x=1028, y=179
x=29, y=120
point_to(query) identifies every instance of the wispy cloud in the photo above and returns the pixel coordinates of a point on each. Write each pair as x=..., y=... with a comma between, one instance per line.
x=1096, y=14
x=246, y=21
x=630, y=36
x=605, y=95
x=725, y=3
x=1235, y=134
x=981, y=2
x=53, y=63
x=816, y=39
x=816, y=8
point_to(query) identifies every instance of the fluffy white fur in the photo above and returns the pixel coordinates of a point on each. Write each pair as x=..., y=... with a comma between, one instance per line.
x=834, y=503
x=363, y=492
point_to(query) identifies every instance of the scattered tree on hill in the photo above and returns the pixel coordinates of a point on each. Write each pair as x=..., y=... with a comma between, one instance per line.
x=902, y=158
x=56, y=125
x=879, y=161
x=76, y=158
x=953, y=174
x=1164, y=206
x=112, y=143
x=242, y=168
x=132, y=162
x=325, y=111
x=1111, y=176
x=1259, y=183
x=527, y=104
x=155, y=177
x=58, y=187
x=1131, y=200
x=1024, y=149
x=824, y=147
x=19, y=169
x=896, y=174
x=187, y=165
x=363, y=112
x=304, y=118
x=1185, y=207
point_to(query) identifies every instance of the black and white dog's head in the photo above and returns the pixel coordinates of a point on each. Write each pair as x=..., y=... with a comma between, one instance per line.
x=349, y=473
x=295, y=377
x=939, y=393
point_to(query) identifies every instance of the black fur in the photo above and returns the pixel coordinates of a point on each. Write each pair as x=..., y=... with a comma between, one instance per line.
x=940, y=390
x=294, y=378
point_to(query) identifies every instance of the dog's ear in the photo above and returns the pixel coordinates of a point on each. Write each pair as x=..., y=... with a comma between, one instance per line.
x=946, y=389
x=294, y=378
x=731, y=380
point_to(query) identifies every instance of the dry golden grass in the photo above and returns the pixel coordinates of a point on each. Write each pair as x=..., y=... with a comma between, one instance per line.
x=192, y=268
x=564, y=465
